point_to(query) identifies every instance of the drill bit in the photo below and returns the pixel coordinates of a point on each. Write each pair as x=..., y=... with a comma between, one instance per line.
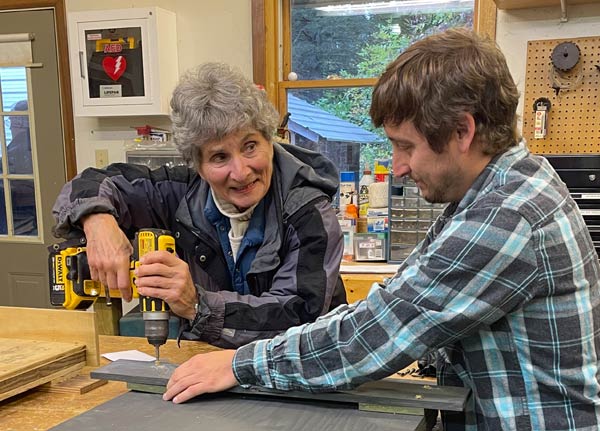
x=156, y=326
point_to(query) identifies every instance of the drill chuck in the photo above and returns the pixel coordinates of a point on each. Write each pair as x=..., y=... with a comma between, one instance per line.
x=156, y=327
x=155, y=313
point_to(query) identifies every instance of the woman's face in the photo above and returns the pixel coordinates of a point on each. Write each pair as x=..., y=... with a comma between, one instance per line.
x=238, y=167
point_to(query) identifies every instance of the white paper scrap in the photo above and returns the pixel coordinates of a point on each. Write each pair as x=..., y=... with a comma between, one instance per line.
x=133, y=355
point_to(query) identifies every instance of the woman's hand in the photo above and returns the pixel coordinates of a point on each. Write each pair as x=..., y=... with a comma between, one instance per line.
x=163, y=275
x=205, y=373
x=108, y=252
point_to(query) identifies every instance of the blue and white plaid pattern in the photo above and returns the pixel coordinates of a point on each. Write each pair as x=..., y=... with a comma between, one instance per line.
x=505, y=287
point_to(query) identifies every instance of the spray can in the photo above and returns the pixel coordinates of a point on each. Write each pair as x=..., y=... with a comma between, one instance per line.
x=347, y=190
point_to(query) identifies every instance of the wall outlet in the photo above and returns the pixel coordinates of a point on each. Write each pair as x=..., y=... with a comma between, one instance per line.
x=101, y=158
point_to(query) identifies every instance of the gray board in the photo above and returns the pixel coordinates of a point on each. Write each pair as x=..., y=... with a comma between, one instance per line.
x=386, y=392
x=137, y=411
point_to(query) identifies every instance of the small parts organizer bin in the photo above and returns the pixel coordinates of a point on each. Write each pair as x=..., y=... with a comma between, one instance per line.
x=410, y=217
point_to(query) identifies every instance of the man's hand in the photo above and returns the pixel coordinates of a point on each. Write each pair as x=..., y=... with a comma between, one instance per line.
x=205, y=373
x=163, y=275
x=108, y=252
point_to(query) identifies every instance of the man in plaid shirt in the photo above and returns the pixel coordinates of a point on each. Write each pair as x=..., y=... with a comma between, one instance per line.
x=504, y=287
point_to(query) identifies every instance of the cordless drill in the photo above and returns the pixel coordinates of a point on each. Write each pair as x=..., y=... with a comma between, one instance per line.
x=72, y=287
x=155, y=312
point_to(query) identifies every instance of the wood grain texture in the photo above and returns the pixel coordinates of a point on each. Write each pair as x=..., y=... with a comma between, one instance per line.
x=107, y=316
x=25, y=364
x=66, y=326
x=484, y=18
x=37, y=410
x=78, y=384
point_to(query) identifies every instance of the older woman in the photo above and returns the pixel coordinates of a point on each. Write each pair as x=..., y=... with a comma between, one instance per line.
x=258, y=243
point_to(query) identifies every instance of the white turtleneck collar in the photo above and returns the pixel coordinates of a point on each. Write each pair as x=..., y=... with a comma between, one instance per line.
x=238, y=221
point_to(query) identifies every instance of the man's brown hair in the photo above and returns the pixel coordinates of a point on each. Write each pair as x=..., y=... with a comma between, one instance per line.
x=437, y=79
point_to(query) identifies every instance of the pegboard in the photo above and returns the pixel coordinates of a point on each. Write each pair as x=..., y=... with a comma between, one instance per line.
x=573, y=125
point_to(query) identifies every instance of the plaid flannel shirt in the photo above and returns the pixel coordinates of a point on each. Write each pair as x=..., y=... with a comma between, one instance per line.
x=505, y=287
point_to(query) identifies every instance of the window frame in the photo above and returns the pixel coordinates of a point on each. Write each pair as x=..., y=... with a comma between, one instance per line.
x=271, y=48
x=7, y=178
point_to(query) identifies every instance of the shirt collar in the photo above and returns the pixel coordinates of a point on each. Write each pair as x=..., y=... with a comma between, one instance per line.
x=486, y=181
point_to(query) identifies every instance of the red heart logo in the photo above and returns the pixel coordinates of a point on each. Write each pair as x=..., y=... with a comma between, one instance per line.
x=114, y=66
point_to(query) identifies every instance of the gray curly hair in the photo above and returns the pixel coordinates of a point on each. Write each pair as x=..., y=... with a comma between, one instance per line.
x=213, y=100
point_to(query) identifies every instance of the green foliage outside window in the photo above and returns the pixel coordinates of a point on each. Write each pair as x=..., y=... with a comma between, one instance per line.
x=360, y=46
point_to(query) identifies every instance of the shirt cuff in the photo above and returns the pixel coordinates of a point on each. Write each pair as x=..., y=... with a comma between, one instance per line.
x=251, y=364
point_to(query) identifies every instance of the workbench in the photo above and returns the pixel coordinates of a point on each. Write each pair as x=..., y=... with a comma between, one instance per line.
x=38, y=410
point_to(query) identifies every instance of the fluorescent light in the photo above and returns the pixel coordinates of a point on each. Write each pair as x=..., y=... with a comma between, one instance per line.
x=396, y=7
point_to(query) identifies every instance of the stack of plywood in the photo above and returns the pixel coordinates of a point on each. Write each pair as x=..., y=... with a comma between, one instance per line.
x=38, y=346
x=25, y=364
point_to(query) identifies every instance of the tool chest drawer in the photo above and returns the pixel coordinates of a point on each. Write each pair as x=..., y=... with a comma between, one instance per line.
x=581, y=175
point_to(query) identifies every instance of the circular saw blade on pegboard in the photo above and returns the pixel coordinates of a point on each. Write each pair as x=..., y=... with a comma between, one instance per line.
x=574, y=120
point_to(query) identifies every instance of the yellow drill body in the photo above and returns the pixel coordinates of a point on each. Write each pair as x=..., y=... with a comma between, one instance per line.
x=72, y=287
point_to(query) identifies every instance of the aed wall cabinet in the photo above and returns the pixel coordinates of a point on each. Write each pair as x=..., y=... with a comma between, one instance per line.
x=123, y=61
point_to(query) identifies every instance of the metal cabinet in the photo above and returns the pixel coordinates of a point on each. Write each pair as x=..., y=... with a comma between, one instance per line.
x=581, y=174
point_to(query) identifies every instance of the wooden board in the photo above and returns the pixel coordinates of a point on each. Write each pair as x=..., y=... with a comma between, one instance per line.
x=25, y=364
x=68, y=326
x=79, y=384
x=386, y=392
x=136, y=411
x=38, y=410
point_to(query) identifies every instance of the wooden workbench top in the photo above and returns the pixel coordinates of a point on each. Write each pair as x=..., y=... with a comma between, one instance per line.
x=36, y=410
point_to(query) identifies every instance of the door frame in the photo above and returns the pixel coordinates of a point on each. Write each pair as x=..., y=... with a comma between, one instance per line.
x=66, y=103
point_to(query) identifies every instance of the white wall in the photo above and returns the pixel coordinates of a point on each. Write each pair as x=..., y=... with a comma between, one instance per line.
x=207, y=30
x=221, y=30
x=516, y=27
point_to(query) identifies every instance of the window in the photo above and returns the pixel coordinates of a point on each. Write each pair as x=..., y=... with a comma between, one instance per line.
x=18, y=215
x=332, y=52
x=337, y=39
x=13, y=83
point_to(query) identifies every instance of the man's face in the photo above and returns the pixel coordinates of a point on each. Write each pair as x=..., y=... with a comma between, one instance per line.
x=238, y=168
x=439, y=177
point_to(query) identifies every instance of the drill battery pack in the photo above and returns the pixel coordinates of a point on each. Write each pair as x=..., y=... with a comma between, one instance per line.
x=71, y=284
